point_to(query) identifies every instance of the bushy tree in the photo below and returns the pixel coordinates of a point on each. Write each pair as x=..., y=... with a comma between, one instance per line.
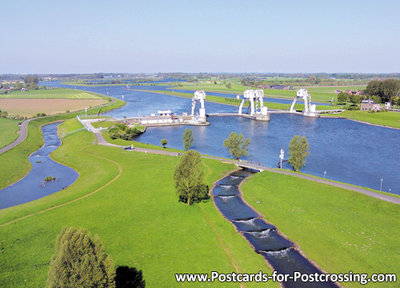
x=237, y=145
x=188, y=178
x=124, y=132
x=164, y=142
x=298, y=151
x=80, y=261
x=342, y=97
x=187, y=138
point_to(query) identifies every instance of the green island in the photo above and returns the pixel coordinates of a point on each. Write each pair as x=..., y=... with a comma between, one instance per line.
x=339, y=229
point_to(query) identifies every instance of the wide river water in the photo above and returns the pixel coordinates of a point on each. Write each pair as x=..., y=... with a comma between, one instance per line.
x=348, y=151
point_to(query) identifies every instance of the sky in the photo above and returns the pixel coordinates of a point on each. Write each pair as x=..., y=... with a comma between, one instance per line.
x=152, y=36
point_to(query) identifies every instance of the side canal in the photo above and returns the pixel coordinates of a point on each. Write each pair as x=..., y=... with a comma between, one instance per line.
x=279, y=252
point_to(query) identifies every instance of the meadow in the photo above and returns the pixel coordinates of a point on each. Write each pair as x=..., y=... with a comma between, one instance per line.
x=388, y=119
x=128, y=199
x=8, y=131
x=339, y=229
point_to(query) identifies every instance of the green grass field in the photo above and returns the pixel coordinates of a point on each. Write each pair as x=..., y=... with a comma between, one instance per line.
x=8, y=131
x=57, y=93
x=134, y=209
x=340, y=230
x=389, y=119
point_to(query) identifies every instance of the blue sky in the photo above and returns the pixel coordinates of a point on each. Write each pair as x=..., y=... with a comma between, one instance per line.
x=199, y=36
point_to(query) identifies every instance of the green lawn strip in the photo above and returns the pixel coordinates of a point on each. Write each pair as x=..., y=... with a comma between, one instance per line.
x=14, y=164
x=339, y=229
x=8, y=131
x=56, y=93
x=137, y=217
x=389, y=119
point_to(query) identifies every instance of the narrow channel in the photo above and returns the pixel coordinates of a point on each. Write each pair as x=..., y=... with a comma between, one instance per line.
x=281, y=253
x=33, y=186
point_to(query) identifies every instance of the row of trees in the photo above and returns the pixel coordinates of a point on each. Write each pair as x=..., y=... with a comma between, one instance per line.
x=189, y=175
x=387, y=90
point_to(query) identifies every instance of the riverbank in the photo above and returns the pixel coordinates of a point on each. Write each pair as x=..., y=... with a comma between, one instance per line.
x=380, y=119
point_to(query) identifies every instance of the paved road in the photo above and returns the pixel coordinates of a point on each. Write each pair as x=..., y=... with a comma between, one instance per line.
x=380, y=196
x=23, y=132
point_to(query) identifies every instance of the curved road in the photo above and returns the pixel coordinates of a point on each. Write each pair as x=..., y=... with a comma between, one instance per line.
x=384, y=197
x=23, y=132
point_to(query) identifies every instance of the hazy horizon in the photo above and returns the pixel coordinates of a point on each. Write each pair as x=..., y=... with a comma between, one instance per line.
x=65, y=37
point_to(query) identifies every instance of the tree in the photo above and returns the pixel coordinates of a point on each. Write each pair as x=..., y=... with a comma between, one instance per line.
x=298, y=151
x=80, y=261
x=164, y=143
x=188, y=178
x=386, y=89
x=342, y=97
x=187, y=138
x=228, y=85
x=237, y=145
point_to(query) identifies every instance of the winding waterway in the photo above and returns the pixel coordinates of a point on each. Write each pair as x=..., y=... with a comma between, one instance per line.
x=264, y=238
x=33, y=186
x=348, y=151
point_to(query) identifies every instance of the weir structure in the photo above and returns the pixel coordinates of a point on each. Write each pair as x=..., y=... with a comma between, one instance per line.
x=310, y=110
x=256, y=109
x=199, y=96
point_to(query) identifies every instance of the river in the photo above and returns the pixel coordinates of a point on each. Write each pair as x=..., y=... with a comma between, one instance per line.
x=348, y=151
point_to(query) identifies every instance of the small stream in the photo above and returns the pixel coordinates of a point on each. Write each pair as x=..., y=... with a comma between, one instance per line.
x=33, y=186
x=264, y=237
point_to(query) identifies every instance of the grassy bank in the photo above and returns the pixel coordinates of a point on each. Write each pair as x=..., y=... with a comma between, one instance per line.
x=8, y=131
x=340, y=230
x=389, y=119
x=133, y=208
